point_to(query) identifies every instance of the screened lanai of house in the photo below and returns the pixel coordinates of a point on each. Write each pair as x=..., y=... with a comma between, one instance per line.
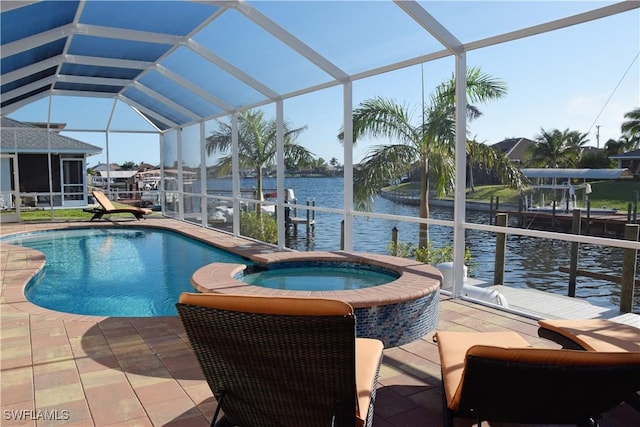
x=174, y=69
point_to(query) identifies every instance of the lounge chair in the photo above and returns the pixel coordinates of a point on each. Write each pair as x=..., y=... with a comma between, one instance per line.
x=500, y=377
x=591, y=334
x=282, y=361
x=594, y=335
x=106, y=207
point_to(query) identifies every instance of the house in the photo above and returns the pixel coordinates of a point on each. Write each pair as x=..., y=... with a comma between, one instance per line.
x=26, y=153
x=514, y=148
x=629, y=160
x=100, y=167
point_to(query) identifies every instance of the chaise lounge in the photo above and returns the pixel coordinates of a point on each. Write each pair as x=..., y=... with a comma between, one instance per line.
x=594, y=335
x=274, y=361
x=106, y=207
x=498, y=376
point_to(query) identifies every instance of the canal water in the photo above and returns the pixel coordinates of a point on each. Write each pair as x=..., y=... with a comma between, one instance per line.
x=530, y=262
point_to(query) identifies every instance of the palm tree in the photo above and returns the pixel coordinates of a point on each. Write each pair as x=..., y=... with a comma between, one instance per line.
x=430, y=143
x=551, y=150
x=488, y=159
x=631, y=128
x=613, y=147
x=556, y=149
x=576, y=142
x=256, y=145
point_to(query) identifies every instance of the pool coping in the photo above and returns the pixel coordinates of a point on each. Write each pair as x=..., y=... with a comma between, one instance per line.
x=416, y=279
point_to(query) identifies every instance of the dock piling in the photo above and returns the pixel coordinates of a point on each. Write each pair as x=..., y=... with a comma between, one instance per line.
x=575, y=246
x=394, y=240
x=501, y=248
x=631, y=232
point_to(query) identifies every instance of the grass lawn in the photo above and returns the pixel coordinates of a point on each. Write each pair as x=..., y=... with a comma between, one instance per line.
x=610, y=194
x=66, y=214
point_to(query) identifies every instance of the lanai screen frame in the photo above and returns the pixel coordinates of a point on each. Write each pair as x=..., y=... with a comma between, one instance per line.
x=452, y=47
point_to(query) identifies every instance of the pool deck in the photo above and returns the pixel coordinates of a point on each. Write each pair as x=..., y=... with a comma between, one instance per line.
x=106, y=371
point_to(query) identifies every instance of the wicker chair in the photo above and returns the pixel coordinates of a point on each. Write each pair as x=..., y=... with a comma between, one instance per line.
x=499, y=377
x=282, y=361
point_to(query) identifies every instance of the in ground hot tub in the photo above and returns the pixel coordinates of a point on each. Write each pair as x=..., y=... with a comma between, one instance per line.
x=402, y=308
x=315, y=275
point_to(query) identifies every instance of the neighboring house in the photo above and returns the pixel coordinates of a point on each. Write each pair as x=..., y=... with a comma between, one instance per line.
x=119, y=180
x=100, y=167
x=630, y=160
x=24, y=167
x=514, y=148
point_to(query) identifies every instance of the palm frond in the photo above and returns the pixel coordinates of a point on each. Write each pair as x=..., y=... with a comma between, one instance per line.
x=381, y=164
x=380, y=117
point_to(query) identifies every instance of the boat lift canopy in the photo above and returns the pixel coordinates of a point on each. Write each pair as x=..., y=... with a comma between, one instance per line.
x=559, y=173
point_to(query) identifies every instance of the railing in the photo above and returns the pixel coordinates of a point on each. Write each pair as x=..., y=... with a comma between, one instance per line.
x=626, y=280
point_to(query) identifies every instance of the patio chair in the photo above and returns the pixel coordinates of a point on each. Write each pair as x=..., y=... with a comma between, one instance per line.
x=282, y=361
x=500, y=377
x=591, y=334
x=106, y=207
x=594, y=335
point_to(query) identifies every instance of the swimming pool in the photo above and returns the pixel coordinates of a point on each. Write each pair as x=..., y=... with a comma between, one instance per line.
x=318, y=276
x=132, y=272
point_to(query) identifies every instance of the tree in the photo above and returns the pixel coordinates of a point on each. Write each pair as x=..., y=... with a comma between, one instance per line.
x=595, y=160
x=429, y=143
x=613, y=147
x=319, y=165
x=256, y=145
x=486, y=158
x=631, y=128
x=127, y=166
x=551, y=150
x=576, y=142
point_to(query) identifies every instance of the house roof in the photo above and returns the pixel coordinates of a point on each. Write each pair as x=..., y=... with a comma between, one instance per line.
x=118, y=174
x=25, y=138
x=577, y=173
x=514, y=148
x=635, y=154
x=103, y=167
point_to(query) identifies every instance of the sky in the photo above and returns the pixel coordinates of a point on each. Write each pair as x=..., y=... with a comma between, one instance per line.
x=582, y=78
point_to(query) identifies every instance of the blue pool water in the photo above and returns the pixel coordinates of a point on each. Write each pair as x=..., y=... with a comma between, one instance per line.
x=116, y=272
x=319, y=276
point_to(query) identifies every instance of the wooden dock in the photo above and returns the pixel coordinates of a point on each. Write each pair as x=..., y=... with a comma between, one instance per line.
x=545, y=305
x=598, y=224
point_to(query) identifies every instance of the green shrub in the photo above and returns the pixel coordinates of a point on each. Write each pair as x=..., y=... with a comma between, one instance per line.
x=429, y=254
x=260, y=227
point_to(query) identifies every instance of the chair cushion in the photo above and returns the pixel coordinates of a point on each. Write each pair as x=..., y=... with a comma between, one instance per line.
x=368, y=357
x=453, y=347
x=596, y=334
x=268, y=305
x=547, y=356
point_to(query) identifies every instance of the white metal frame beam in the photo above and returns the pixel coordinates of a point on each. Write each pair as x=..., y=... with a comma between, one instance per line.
x=165, y=101
x=232, y=70
x=193, y=88
x=291, y=41
x=432, y=25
